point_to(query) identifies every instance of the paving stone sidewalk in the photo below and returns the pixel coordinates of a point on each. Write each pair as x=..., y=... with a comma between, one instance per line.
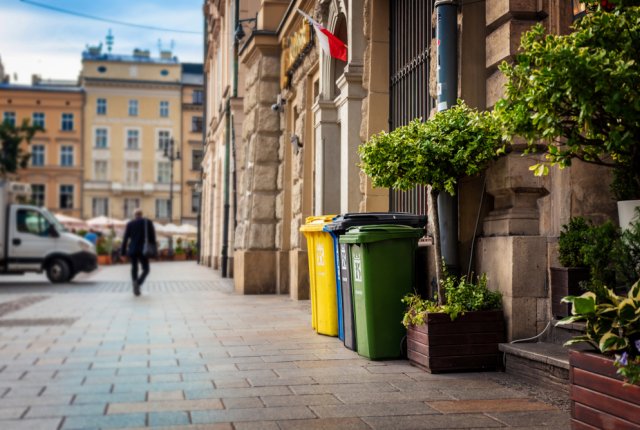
x=191, y=354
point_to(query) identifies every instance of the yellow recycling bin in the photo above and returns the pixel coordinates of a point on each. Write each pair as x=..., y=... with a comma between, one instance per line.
x=322, y=275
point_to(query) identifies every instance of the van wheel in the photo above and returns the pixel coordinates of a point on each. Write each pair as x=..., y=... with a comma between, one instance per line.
x=58, y=271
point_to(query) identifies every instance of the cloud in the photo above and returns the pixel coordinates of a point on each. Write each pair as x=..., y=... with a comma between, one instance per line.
x=37, y=41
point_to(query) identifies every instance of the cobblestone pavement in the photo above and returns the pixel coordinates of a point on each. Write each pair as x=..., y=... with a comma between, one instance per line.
x=191, y=354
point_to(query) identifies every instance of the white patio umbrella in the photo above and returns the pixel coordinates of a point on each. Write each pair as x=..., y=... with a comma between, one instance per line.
x=187, y=230
x=171, y=229
x=105, y=222
x=71, y=222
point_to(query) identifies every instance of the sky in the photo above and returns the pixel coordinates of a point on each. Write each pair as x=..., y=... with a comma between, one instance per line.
x=34, y=40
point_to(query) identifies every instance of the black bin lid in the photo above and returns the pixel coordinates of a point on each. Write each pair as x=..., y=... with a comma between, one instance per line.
x=342, y=222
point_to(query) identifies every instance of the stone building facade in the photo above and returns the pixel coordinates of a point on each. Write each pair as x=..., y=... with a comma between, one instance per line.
x=55, y=169
x=306, y=114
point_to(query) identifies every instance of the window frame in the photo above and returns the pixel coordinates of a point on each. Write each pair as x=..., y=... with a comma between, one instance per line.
x=40, y=122
x=101, y=106
x=40, y=153
x=94, y=206
x=164, y=108
x=134, y=107
x=35, y=187
x=96, y=138
x=66, y=193
x=128, y=139
x=96, y=176
x=67, y=121
x=67, y=155
x=10, y=117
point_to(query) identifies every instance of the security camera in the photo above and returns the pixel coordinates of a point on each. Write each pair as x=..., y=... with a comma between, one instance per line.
x=278, y=106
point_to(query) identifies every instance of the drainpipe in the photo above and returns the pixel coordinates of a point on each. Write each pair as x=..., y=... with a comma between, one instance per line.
x=227, y=149
x=204, y=132
x=225, y=216
x=447, y=37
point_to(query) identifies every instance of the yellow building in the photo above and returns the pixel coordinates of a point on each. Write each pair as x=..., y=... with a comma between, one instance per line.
x=55, y=168
x=132, y=127
x=192, y=140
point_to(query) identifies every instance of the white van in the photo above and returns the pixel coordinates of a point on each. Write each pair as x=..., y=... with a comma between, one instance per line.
x=32, y=240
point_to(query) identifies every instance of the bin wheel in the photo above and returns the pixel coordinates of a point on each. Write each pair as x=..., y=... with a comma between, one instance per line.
x=58, y=271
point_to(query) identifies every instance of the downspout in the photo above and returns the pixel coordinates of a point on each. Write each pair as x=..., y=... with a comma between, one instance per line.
x=227, y=149
x=204, y=131
x=447, y=46
x=225, y=215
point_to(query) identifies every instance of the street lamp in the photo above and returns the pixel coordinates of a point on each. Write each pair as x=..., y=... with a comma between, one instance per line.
x=172, y=156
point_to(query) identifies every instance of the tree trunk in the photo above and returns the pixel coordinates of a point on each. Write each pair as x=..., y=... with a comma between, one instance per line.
x=435, y=220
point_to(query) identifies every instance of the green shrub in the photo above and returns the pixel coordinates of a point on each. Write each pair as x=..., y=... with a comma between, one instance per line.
x=573, y=236
x=462, y=295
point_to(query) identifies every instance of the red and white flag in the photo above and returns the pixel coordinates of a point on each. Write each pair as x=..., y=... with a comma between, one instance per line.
x=329, y=43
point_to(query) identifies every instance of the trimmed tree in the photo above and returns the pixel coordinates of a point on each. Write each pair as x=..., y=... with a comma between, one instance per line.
x=456, y=142
x=580, y=93
x=12, y=157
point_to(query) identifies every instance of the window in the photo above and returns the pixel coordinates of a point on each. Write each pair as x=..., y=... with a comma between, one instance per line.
x=100, y=206
x=130, y=205
x=164, y=108
x=100, y=170
x=101, y=138
x=102, y=69
x=66, y=196
x=37, y=194
x=197, y=97
x=133, y=172
x=162, y=208
x=133, y=139
x=37, y=155
x=67, y=122
x=101, y=106
x=66, y=156
x=164, y=172
x=32, y=222
x=196, y=159
x=196, y=124
x=133, y=107
x=38, y=119
x=164, y=137
x=10, y=117
x=195, y=201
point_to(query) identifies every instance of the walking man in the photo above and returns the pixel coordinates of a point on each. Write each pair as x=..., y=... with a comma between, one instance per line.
x=138, y=230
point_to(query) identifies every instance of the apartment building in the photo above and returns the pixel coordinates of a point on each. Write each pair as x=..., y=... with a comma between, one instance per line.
x=133, y=135
x=55, y=169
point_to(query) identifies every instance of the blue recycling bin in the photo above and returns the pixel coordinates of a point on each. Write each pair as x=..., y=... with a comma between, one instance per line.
x=338, y=227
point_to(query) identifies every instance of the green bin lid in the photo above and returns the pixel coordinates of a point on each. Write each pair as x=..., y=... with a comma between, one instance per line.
x=316, y=223
x=377, y=233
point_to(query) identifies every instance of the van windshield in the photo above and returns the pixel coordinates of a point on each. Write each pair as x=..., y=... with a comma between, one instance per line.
x=53, y=220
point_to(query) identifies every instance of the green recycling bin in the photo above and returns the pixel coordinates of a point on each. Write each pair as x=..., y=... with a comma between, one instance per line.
x=382, y=261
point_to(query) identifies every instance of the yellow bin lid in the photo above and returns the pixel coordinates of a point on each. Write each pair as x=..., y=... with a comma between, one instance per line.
x=316, y=223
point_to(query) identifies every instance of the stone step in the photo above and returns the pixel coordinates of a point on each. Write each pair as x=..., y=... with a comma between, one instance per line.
x=541, y=364
x=560, y=334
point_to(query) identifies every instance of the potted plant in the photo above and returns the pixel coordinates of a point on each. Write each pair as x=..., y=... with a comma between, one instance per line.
x=179, y=252
x=461, y=335
x=104, y=257
x=456, y=142
x=578, y=94
x=566, y=280
x=605, y=382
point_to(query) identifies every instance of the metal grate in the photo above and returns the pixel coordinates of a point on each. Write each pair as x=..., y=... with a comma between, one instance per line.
x=411, y=35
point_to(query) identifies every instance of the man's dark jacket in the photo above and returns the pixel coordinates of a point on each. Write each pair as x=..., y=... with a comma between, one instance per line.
x=134, y=234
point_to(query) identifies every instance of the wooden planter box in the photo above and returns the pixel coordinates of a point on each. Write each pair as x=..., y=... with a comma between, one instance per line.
x=179, y=257
x=599, y=397
x=468, y=343
x=565, y=281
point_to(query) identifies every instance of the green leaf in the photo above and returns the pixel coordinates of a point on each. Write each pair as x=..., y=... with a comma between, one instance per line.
x=584, y=305
x=612, y=342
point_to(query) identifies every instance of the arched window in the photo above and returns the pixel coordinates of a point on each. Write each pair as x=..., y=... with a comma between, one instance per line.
x=338, y=65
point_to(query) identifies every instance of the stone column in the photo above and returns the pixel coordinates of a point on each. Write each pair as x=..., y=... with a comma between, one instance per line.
x=349, y=104
x=255, y=254
x=511, y=251
x=327, y=158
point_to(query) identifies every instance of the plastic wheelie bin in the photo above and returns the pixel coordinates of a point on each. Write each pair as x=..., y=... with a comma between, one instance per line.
x=322, y=275
x=337, y=228
x=382, y=259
